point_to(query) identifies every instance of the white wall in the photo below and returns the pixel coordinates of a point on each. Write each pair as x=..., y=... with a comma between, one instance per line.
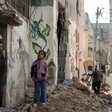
x=71, y=62
x=55, y=41
x=49, y=16
x=17, y=63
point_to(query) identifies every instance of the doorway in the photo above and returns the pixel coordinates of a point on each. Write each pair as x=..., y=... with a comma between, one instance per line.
x=62, y=34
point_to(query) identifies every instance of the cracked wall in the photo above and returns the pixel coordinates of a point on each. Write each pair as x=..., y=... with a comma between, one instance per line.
x=17, y=63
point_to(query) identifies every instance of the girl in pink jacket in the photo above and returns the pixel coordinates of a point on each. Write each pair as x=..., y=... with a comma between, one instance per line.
x=39, y=74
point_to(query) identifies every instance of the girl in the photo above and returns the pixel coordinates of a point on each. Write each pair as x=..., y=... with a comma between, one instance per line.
x=39, y=74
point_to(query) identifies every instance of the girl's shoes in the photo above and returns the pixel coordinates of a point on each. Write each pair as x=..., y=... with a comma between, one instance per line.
x=35, y=105
x=44, y=104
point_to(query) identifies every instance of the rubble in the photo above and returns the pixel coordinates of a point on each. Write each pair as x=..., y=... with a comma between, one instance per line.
x=73, y=97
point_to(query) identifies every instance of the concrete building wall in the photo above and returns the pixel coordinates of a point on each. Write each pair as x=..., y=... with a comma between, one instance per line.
x=41, y=40
x=43, y=28
x=17, y=63
x=75, y=28
x=72, y=50
x=72, y=17
x=81, y=39
x=77, y=18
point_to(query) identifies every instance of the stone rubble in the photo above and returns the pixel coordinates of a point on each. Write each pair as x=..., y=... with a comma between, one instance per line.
x=67, y=97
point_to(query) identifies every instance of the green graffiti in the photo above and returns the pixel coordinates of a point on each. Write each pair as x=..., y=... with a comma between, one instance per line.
x=38, y=31
x=36, y=47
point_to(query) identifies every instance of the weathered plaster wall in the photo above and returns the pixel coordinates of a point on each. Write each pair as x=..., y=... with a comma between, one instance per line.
x=55, y=41
x=47, y=16
x=48, y=13
x=70, y=60
x=76, y=22
x=81, y=38
x=72, y=50
x=17, y=63
x=72, y=16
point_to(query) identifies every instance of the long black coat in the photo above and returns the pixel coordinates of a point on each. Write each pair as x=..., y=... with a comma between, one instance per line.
x=2, y=72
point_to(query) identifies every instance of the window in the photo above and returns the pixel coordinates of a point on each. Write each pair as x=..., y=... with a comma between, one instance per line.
x=22, y=6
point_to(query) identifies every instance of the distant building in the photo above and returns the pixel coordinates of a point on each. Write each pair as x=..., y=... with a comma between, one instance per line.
x=102, y=31
x=102, y=44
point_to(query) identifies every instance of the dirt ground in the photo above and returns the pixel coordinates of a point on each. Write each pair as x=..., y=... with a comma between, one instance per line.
x=71, y=97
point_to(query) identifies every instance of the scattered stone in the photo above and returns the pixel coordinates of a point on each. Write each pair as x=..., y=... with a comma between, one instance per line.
x=27, y=108
x=67, y=97
x=67, y=81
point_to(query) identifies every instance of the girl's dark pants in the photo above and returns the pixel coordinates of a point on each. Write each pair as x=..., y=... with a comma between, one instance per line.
x=40, y=96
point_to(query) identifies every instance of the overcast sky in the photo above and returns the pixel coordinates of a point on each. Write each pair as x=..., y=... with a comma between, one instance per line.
x=90, y=7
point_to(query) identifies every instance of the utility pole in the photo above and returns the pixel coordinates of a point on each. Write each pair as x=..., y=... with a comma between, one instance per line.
x=98, y=13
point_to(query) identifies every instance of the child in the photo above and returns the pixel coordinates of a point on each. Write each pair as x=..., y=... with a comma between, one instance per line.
x=39, y=74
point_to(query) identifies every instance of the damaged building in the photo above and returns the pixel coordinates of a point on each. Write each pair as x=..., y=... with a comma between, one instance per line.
x=27, y=26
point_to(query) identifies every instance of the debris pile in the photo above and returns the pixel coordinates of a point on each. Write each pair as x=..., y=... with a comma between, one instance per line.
x=73, y=96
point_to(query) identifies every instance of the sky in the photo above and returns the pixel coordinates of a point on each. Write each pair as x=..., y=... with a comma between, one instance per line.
x=90, y=7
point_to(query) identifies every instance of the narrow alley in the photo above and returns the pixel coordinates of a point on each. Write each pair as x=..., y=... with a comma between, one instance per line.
x=61, y=49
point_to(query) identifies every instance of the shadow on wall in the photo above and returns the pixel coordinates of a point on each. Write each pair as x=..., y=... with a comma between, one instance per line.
x=51, y=75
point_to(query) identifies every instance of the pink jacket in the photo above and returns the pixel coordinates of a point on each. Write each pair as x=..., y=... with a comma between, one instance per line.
x=39, y=70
